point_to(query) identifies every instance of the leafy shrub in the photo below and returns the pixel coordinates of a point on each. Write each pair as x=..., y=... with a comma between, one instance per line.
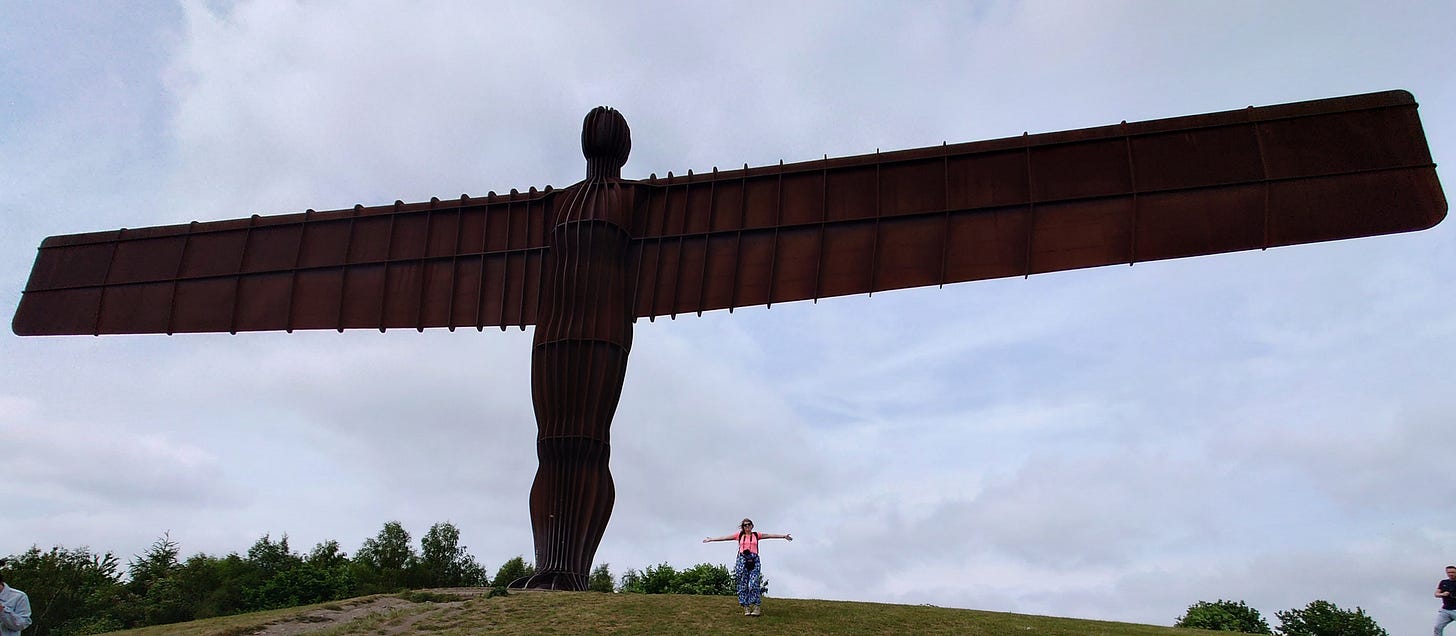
x=601, y=579
x=1323, y=618
x=510, y=571
x=1224, y=616
x=703, y=578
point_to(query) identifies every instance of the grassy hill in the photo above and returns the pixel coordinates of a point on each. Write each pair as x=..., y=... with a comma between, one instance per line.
x=461, y=611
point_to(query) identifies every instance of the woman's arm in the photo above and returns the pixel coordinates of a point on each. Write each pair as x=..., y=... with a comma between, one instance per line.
x=765, y=535
x=726, y=537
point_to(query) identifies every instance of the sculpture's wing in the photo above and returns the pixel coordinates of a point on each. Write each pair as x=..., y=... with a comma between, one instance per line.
x=1187, y=186
x=467, y=262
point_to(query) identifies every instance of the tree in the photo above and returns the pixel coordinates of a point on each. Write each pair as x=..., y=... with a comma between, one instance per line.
x=301, y=584
x=157, y=563
x=705, y=578
x=327, y=555
x=510, y=571
x=154, y=582
x=1323, y=618
x=444, y=562
x=272, y=557
x=75, y=592
x=215, y=585
x=384, y=562
x=277, y=577
x=656, y=579
x=601, y=579
x=388, y=550
x=631, y=582
x=1224, y=616
x=72, y=591
x=334, y=567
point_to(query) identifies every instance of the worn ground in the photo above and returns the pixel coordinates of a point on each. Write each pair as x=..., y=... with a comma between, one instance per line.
x=396, y=614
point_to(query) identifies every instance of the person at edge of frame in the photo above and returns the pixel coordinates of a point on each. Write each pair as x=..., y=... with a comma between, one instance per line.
x=14, y=607
x=1446, y=591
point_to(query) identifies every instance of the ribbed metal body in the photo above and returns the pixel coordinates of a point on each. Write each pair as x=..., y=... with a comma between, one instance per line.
x=579, y=360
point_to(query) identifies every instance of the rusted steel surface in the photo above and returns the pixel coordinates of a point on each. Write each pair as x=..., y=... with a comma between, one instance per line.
x=579, y=359
x=459, y=262
x=1187, y=186
x=1204, y=184
x=582, y=263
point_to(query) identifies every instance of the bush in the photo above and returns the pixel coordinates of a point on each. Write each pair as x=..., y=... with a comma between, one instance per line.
x=385, y=562
x=1323, y=618
x=703, y=578
x=444, y=562
x=1224, y=616
x=510, y=571
x=601, y=579
x=656, y=579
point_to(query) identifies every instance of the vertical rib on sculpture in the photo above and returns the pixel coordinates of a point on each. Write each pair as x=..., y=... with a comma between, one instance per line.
x=579, y=360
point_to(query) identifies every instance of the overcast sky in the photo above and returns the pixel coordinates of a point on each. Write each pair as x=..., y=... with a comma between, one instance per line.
x=1114, y=443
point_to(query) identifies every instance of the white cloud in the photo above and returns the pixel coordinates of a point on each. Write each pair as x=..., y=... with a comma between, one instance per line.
x=67, y=465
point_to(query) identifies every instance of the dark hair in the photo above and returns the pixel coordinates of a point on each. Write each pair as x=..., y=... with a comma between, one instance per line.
x=740, y=525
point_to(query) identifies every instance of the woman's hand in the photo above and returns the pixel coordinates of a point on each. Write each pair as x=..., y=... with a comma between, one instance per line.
x=789, y=537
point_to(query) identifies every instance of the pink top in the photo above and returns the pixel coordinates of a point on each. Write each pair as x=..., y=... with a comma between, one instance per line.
x=748, y=541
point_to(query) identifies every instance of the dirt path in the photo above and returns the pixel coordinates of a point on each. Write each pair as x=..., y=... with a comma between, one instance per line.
x=403, y=612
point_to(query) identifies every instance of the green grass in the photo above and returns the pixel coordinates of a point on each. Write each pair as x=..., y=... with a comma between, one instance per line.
x=593, y=613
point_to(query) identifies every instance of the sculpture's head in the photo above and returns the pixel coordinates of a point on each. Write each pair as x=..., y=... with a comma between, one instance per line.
x=605, y=140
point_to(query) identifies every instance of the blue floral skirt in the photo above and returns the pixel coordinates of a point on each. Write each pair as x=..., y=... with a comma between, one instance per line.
x=747, y=575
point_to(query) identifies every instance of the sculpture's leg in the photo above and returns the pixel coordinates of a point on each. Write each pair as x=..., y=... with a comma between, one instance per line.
x=575, y=385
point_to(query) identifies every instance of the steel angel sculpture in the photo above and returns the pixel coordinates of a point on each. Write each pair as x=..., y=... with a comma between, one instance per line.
x=581, y=264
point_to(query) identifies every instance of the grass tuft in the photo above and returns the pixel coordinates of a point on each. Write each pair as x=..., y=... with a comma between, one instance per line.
x=429, y=596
